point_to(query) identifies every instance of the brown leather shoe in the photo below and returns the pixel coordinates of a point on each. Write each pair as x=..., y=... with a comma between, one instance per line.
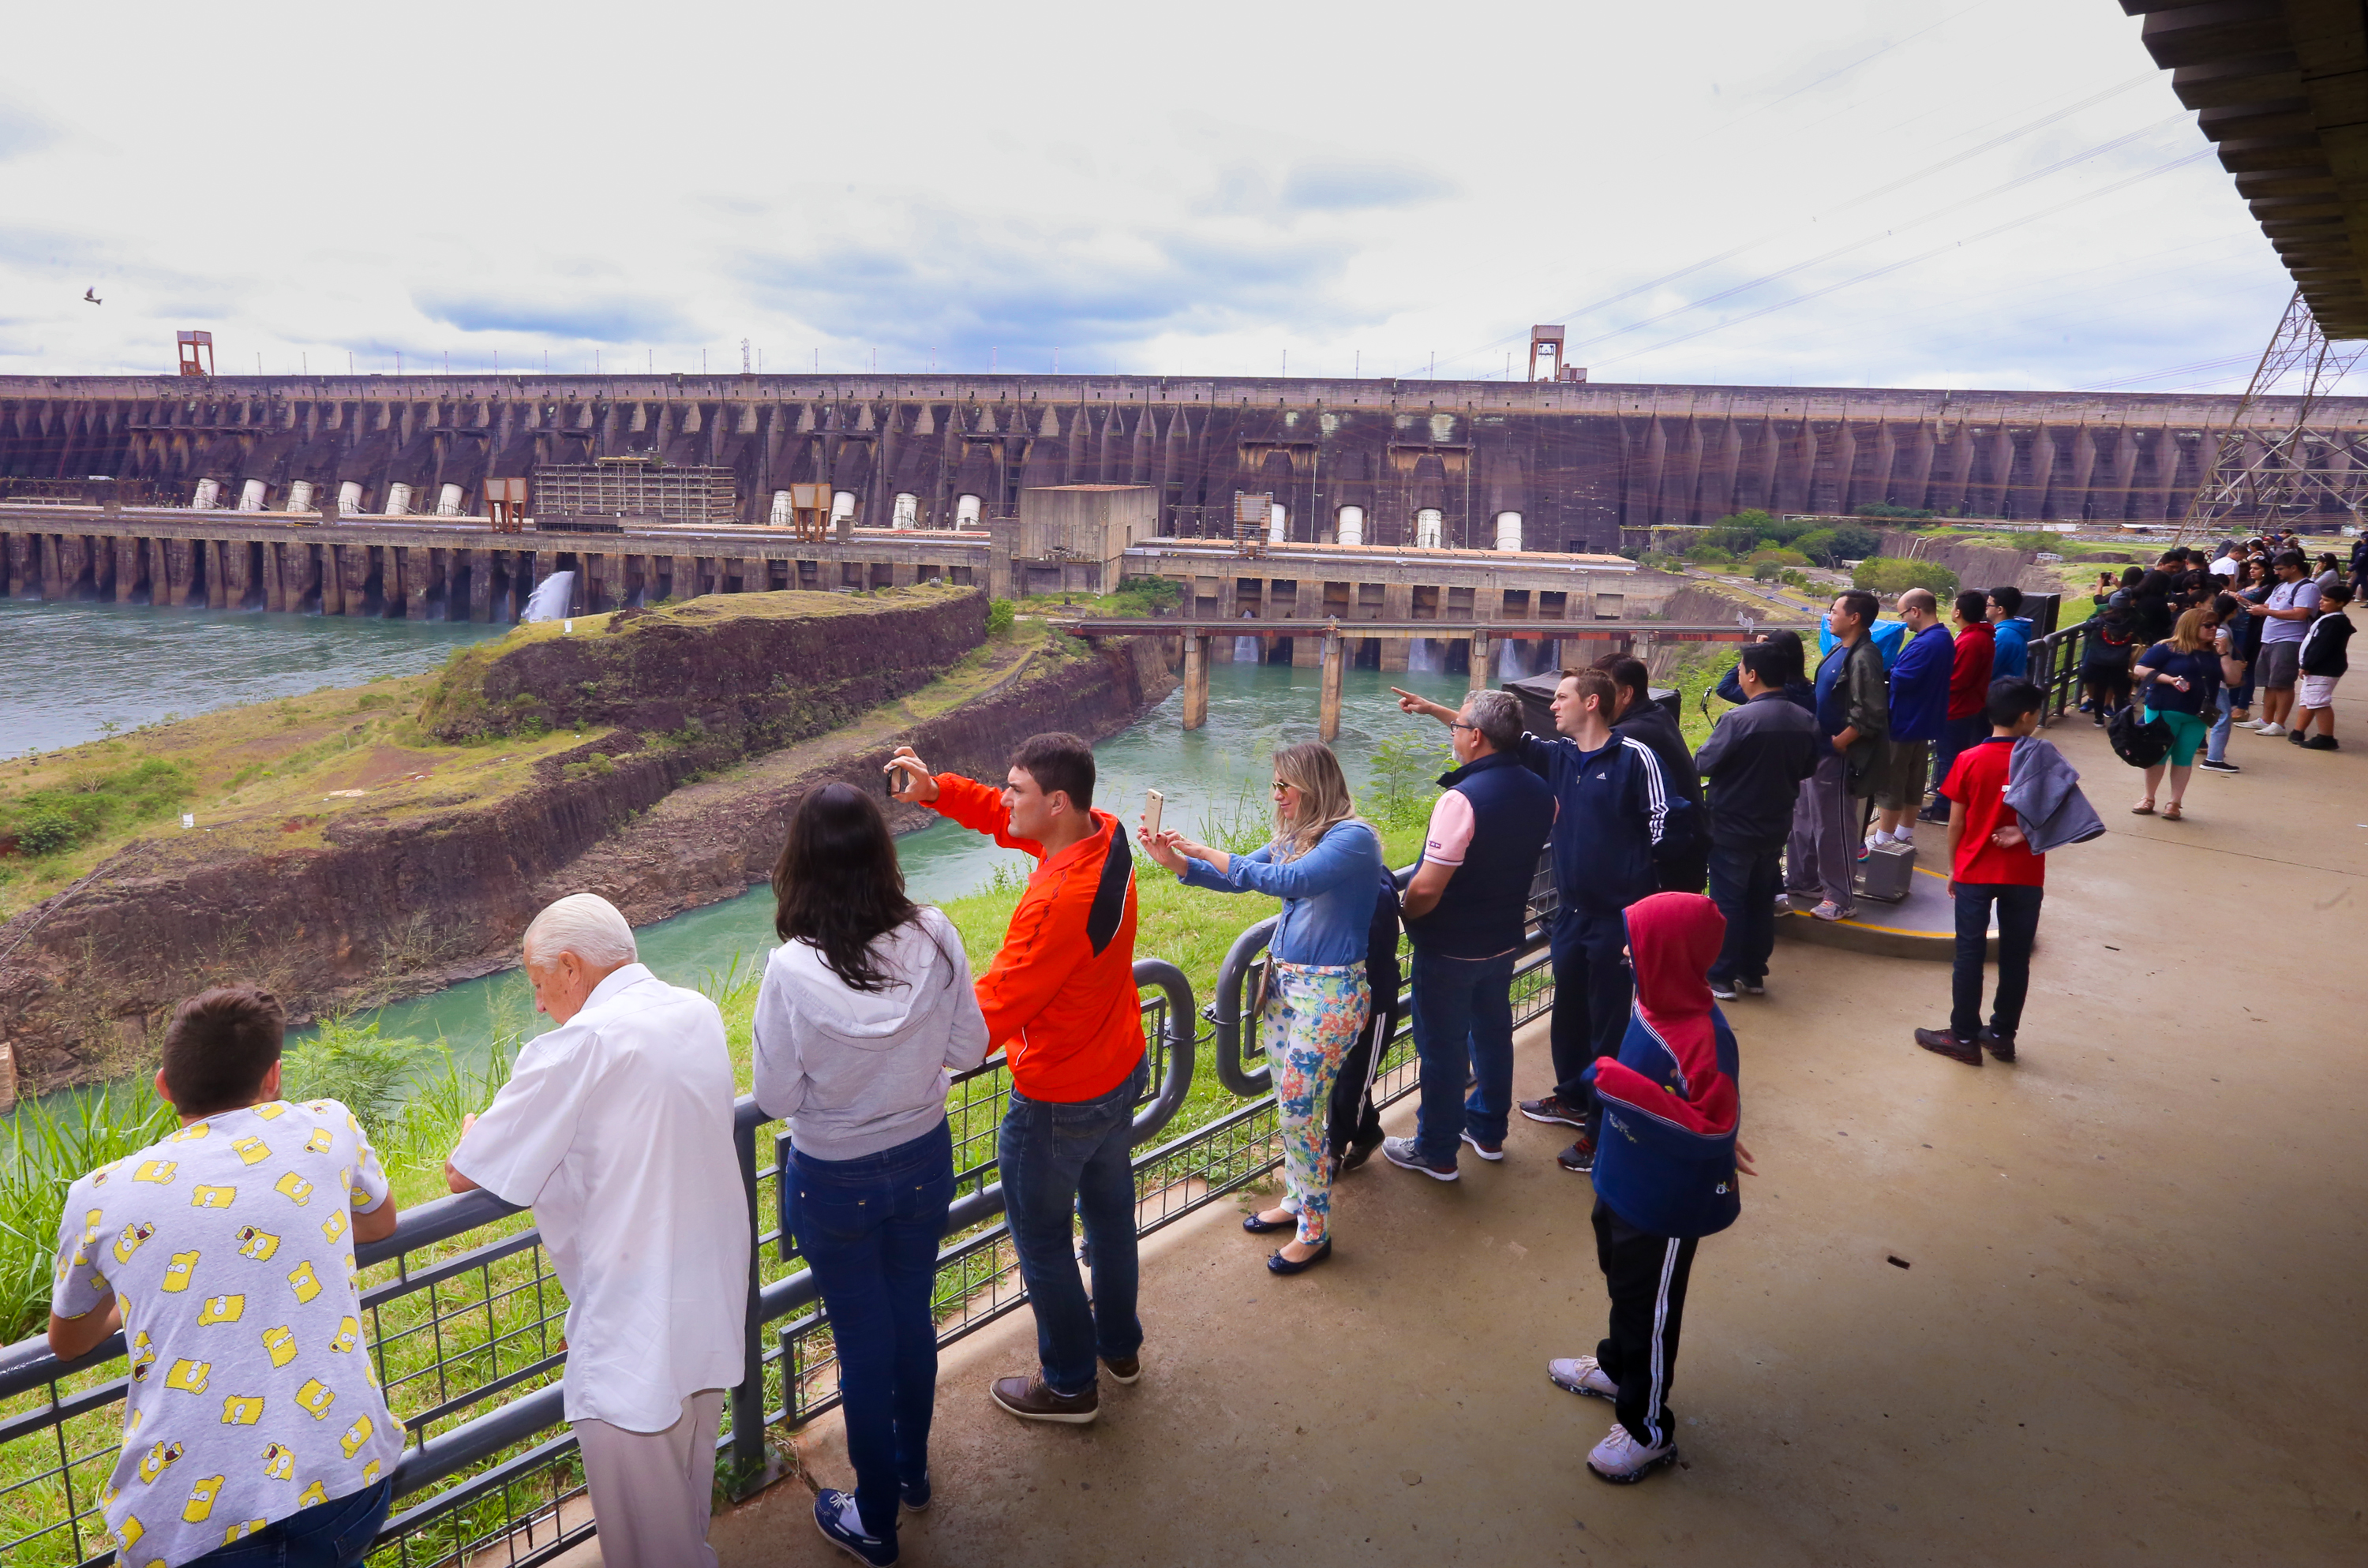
x=2000, y=1045
x=1125, y=1371
x=1030, y=1399
x=1944, y=1042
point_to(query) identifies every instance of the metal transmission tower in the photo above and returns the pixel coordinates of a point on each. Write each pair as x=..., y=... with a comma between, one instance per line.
x=2263, y=473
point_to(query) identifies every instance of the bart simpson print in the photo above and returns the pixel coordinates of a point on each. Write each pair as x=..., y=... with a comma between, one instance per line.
x=221, y=1309
x=303, y=1282
x=129, y=1241
x=298, y=1189
x=201, y=1500
x=159, y=1459
x=177, y=1272
x=279, y=1343
x=256, y=1245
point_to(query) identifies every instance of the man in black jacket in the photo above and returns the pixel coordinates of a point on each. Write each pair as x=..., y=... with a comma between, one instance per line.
x=1755, y=761
x=1682, y=861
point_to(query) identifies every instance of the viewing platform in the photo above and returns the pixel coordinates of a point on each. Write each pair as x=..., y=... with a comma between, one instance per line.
x=2096, y=1307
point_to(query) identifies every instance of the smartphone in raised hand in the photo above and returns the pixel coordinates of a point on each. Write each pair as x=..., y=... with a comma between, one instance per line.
x=1153, y=802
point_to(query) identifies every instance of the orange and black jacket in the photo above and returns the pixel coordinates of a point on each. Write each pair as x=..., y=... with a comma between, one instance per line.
x=1060, y=997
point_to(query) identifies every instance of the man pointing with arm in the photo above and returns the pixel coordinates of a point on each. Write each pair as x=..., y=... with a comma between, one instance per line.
x=1060, y=1000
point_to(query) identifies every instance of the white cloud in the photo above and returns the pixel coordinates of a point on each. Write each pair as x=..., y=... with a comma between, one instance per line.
x=1926, y=192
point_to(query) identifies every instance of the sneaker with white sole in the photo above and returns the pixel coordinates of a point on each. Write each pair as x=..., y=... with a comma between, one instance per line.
x=2250, y=724
x=2269, y=729
x=1582, y=1374
x=2211, y=767
x=1490, y=1152
x=1752, y=987
x=1830, y=911
x=1621, y=1459
x=1723, y=989
x=1400, y=1152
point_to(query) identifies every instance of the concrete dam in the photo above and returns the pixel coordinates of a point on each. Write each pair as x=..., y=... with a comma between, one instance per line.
x=1548, y=466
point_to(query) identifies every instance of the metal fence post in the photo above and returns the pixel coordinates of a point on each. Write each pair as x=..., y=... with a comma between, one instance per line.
x=754, y=1465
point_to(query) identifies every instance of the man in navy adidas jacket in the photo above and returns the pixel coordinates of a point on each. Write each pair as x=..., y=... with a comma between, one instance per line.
x=1614, y=807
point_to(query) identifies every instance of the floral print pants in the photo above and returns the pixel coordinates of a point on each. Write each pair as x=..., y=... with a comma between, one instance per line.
x=1314, y=1014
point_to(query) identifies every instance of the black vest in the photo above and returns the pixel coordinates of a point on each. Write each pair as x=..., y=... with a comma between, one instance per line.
x=1485, y=909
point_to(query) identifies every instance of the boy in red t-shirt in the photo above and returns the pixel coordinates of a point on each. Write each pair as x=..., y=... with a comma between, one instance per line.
x=1990, y=866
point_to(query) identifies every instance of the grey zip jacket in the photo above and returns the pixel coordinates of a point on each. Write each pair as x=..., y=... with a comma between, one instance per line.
x=857, y=1072
x=2044, y=790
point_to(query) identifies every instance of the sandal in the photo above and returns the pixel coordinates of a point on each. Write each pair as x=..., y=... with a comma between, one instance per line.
x=2143, y=808
x=2172, y=812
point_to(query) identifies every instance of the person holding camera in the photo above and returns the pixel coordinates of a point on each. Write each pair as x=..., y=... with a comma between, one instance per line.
x=1324, y=863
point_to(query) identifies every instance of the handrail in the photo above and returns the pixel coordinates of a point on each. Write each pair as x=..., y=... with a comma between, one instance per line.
x=27, y=1364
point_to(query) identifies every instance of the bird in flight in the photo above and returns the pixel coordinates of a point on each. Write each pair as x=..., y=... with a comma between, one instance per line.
x=92, y=295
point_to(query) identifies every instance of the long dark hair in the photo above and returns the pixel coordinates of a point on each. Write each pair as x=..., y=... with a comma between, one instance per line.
x=1787, y=645
x=837, y=884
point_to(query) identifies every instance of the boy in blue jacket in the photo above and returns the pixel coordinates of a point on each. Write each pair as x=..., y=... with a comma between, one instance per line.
x=1667, y=1175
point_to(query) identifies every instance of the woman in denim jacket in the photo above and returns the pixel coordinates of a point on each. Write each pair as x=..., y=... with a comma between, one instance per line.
x=1325, y=866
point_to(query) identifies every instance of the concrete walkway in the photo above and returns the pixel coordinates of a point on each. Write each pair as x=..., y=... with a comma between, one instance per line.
x=2129, y=1332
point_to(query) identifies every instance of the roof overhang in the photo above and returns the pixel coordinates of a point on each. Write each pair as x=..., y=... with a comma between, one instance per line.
x=2281, y=87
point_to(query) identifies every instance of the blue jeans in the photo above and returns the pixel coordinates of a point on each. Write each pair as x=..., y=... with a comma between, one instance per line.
x=2216, y=745
x=335, y=1534
x=1463, y=1021
x=1057, y=1159
x=2017, y=923
x=870, y=1228
x=1744, y=883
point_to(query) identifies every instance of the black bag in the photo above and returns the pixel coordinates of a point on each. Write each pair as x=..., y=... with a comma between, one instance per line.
x=2141, y=744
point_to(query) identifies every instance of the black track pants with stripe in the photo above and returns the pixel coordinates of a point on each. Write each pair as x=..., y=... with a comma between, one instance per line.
x=1646, y=1275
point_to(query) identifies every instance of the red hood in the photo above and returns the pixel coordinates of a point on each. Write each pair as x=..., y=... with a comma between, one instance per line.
x=1673, y=939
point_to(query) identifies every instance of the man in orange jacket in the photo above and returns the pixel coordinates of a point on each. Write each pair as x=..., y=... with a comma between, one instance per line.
x=1060, y=999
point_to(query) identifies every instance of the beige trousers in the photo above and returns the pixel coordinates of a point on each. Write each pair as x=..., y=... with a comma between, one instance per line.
x=650, y=1490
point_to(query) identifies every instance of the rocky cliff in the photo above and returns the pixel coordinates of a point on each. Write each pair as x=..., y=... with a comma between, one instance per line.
x=700, y=727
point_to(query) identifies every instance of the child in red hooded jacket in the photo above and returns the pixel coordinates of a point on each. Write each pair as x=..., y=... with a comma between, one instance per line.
x=1665, y=1174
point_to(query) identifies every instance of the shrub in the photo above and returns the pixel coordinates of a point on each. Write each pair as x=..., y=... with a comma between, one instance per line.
x=597, y=765
x=1844, y=541
x=1709, y=555
x=51, y=820
x=1779, y=557
x=1405, y=765
x=354, y=1065
x=1146, y=595
x=1884, y=509
x=1001, y=614
x=1891, y=574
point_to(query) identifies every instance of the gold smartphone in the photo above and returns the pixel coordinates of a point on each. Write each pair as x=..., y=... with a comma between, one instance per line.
x=1153, y=803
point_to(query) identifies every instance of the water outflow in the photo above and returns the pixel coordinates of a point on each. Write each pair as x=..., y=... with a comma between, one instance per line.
x=1248, y=650
x=1423, y=656
x=552, y=598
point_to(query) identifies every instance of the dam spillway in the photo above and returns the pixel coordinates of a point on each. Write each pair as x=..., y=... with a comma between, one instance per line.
x=1552, y=465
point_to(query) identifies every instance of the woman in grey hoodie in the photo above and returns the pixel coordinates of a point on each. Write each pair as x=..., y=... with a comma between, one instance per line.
x=865, y=1013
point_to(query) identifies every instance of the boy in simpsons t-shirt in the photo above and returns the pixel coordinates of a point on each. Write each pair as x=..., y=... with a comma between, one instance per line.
x=224, y=1252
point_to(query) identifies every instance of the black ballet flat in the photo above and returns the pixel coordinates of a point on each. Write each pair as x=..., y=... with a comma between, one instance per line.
x=1277, y=1264
x=1258, y=1227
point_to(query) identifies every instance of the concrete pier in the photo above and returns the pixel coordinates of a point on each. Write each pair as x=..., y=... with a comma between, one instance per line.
x=1196, y=682
x=1327, y=720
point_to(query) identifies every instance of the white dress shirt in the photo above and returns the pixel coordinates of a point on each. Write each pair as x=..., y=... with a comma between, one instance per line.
x=616, y=1128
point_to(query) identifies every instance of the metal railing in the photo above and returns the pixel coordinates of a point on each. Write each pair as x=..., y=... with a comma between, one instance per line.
x=466, y=1339
x=2055, y=665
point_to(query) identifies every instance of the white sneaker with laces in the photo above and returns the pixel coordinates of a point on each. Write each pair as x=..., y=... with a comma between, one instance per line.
x=2268, y=729
x=1582, y=1374
x=1723, y=989
x=1623, y=1461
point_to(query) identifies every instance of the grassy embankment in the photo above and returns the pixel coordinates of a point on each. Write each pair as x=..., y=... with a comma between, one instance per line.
x=279, y=775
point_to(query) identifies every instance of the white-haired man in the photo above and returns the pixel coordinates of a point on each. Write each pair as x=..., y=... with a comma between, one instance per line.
x=616, y=1128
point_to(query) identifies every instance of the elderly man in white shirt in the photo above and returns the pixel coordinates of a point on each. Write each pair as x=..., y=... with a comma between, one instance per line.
x=616, y=1129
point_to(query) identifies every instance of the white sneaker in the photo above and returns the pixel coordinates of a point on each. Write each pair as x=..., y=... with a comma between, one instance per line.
x=2269, y=729
x=1582, y=1374
x=2249, y=724
x=1623, y=1461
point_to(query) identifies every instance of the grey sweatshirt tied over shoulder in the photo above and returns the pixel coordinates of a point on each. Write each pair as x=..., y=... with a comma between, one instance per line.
x=857, y=1072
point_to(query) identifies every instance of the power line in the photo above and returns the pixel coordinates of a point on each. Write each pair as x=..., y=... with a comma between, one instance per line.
x=1925, y=255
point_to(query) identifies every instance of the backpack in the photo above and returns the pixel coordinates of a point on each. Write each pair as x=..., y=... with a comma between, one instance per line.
x=2141, y=744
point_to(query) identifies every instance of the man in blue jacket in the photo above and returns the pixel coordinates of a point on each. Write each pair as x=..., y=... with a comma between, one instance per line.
x=1613, y=810
x=1919, y=707
x=2012, y=659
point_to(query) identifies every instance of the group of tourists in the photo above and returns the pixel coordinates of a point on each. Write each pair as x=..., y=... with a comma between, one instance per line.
x=2193, y=642
x=616, y=1126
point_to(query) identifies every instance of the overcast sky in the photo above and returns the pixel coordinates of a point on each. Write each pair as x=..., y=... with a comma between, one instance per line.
x=1960, y=193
